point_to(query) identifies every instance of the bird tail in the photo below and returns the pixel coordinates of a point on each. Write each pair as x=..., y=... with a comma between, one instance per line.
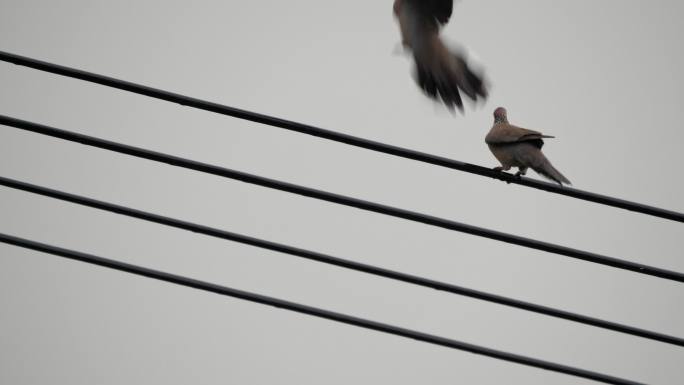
x=547, y=170
x=443, y=74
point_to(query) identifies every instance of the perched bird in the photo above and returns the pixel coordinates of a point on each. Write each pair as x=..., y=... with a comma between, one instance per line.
x=440, y=72
x=519, y=147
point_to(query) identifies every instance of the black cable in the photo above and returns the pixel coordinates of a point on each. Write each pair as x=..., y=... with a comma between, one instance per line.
x=347, y=264
x=337, y=137
x=304, y=309
x=341, y=199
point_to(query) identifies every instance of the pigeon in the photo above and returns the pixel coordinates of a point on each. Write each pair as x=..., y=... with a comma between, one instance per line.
x=519, y=147
x=440, y=72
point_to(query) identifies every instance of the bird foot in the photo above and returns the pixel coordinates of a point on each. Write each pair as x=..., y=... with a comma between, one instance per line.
x=503, y=171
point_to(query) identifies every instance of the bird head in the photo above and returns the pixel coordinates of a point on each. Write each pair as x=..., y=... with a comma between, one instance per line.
x=397, y=7
x=500, y=115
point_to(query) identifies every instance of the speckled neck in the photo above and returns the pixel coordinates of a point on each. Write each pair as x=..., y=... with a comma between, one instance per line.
x=500, y=119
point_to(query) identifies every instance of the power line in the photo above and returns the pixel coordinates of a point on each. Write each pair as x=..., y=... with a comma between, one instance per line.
x=341, y=199
x=336, y=136
x=313, y=311
x=347, y=264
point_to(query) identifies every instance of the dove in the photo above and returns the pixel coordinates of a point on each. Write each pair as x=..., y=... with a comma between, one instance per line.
x=519, y=147
x=440, y=72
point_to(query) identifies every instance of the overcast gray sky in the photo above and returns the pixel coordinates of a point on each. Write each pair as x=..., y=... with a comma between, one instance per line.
x=604, y=77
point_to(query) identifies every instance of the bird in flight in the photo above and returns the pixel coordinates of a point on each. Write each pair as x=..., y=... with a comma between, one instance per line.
x=519, y=147
x=440, y=72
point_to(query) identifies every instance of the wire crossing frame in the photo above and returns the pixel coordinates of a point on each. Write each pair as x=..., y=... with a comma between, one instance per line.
x=336, y=136
x=339, y=262
x=313, y=311
x=341, y=199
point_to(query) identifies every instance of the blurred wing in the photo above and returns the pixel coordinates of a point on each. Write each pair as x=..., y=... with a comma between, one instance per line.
x=441, y=73
x=439, y=10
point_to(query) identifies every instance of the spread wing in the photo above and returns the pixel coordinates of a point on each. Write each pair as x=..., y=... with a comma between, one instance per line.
x=441, y=73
